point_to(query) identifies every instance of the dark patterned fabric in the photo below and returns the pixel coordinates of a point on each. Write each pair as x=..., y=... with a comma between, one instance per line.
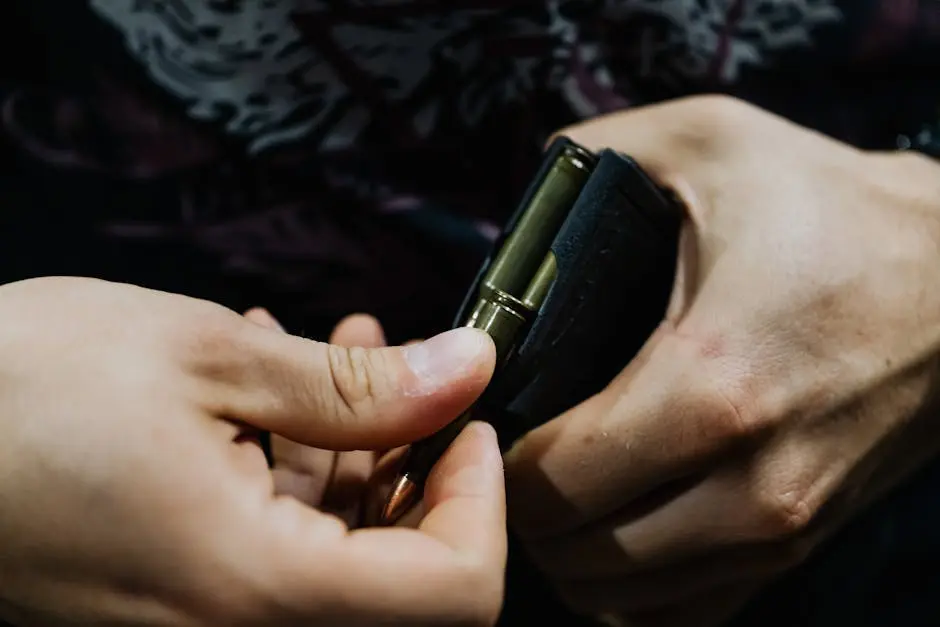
x=324, y=157
x=328, y=156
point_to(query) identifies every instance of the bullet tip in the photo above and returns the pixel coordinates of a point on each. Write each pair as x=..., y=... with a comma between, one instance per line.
x=401, y=499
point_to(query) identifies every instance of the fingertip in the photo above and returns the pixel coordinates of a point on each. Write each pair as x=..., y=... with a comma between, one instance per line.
x=462, y=355
x=465, y=498
x=471, y=467
x=486, y=438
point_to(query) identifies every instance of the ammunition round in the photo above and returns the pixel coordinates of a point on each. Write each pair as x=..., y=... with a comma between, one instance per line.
x=542, y=282
x=501, y=316
x=510, y=295
x=526, y=247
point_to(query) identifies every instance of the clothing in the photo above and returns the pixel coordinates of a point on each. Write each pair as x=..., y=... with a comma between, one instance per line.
x=323, y=157
x=324, y=160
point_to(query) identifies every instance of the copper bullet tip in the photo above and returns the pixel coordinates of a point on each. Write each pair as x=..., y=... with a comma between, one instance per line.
x=402, y=498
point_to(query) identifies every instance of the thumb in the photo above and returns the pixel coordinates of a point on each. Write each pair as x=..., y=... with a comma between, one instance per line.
x=341, y=398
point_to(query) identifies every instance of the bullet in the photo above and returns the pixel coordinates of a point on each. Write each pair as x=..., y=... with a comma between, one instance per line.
x=510, y=296
x=404, y=495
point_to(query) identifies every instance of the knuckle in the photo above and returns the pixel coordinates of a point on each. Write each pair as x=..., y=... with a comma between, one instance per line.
x=711, y=117
x=736, y=405
x=208, y=340
x=730, y=410
x=782, y=513
x=721, y=418
x=353, y=375
x=720, y=113
x=708, y=126
x=738, y=414
x=719, y=388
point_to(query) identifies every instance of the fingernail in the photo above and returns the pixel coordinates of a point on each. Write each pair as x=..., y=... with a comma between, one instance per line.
x=445, y=357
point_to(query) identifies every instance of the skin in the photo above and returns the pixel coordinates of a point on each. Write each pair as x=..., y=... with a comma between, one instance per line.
x=332, y=481
x=793, y=382
x=135, y=493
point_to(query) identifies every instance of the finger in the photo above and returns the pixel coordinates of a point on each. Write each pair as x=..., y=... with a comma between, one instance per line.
x=465, y=499
x=344, y=494
x=347, y=487
x=299, y=471
x=358, y=330
x=345, y=398
x=403, y=576
x=718, y=513
x=302, y=472
x=262, y=439
x=263, y=317
x=663, y=418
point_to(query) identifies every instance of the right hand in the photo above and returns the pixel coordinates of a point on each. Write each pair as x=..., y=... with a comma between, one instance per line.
x=336, y=482
x=133, y=493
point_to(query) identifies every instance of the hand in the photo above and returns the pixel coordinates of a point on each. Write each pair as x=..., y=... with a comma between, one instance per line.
x=331, y=481
x=134, y=492
x=792, y=382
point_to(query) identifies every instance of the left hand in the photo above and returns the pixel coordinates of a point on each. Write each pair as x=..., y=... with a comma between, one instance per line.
x=134, y=491
x=792, y=383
